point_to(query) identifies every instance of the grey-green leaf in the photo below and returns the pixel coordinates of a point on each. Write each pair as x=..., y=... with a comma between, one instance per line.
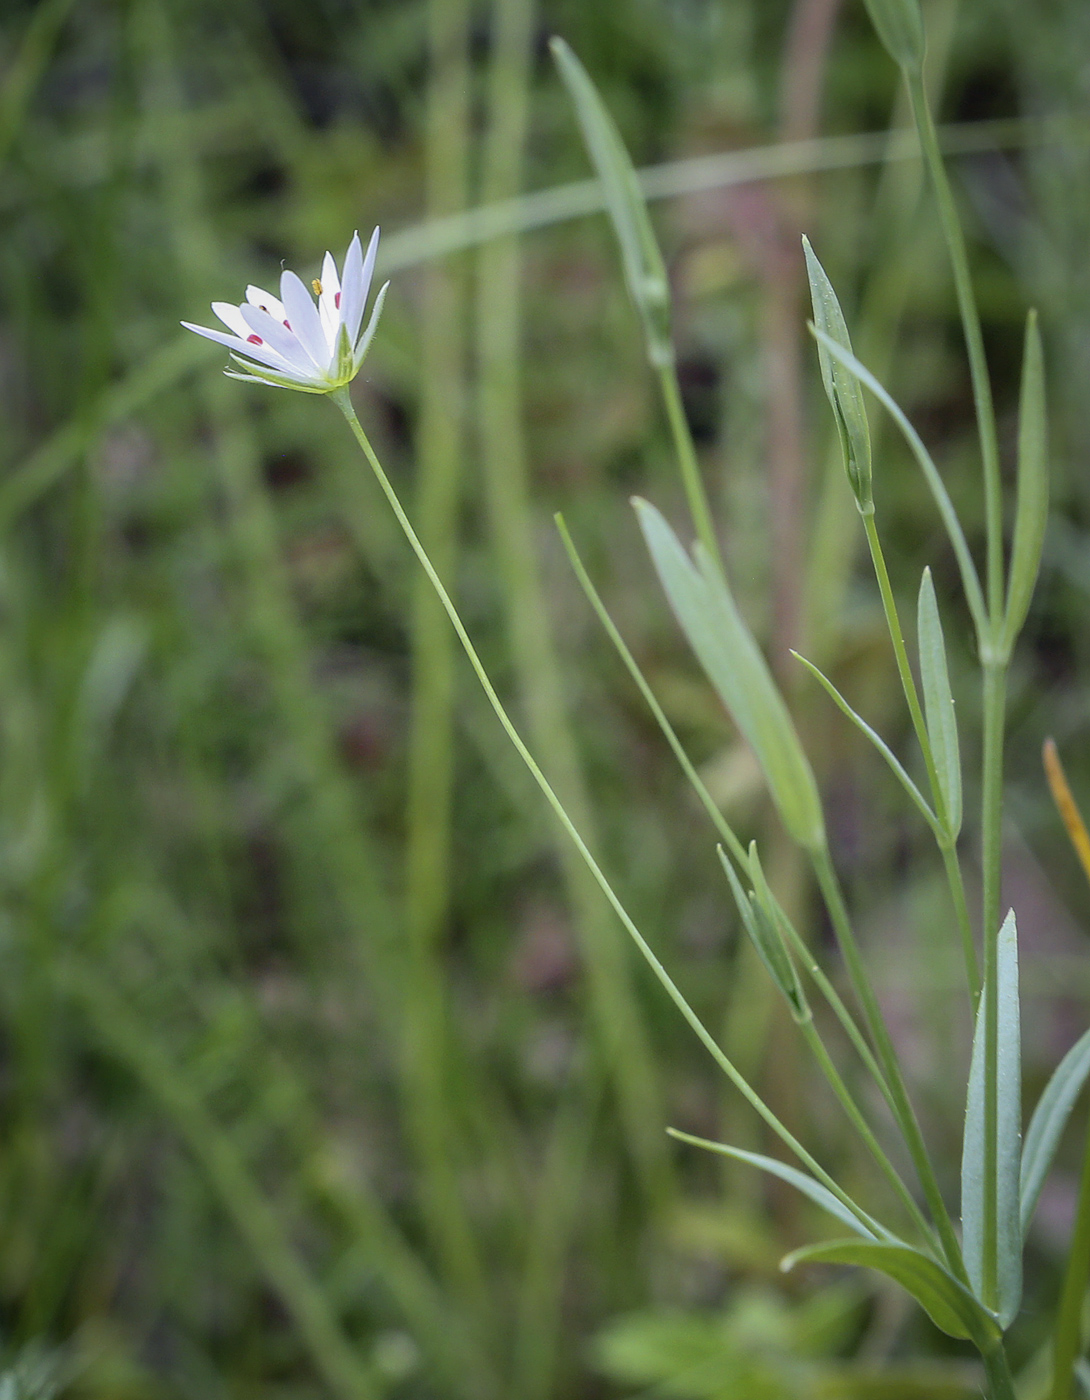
x=759, y=920
x=732, y=661
x=842, y=388
x=817, y=1193
x=942, y=729
x=1008, y=1139
x=1048, y=1122
x=900, y=27
x=950, y=1307
x=1031, y=514
x=644, y=269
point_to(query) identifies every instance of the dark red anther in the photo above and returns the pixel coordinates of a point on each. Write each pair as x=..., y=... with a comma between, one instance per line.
x=288, y=324
x=254, y=340
x=337, y=301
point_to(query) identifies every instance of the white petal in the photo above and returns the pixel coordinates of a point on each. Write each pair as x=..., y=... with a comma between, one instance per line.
x=231, y=316
x=302, y=316
x=329, y=301
x=277, y=336
x=273, y=305
x=261, y=353
x=353, y=291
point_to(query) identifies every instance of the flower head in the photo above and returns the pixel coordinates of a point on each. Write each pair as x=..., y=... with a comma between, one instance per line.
x=295, y=343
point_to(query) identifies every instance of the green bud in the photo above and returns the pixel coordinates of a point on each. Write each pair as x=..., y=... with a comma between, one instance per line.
x=899, y=24
x=843, y=390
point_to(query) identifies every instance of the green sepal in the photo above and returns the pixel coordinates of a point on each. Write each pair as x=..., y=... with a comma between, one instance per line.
x=899, y=25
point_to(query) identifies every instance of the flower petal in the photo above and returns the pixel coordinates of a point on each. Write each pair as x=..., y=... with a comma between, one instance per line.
x=329, y=301
x=273, y=305
x=353, y=292
x=231, y=316
x=300, y=311
x=277, y=336
x=262, y=353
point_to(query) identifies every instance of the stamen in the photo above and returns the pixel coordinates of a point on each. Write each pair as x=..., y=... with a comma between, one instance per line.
x=288, y=324
x=317, y=287
x=254, y=340
x=337, y=300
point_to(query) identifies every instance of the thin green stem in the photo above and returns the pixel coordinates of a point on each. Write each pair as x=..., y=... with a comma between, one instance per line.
x=904, y=668
x=730, y=840
x=1067, y=1338
x=887, y=1058
x=690, y=467
x=991, y=842
x=998, y=1371
x=908, y=684
x=974, y=341
x=343, y=401
x=863, y=1128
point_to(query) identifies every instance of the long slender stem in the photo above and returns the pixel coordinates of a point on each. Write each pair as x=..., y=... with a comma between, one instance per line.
x=974, y=341
x=1067, y=1338
x=690, y=467
x=961, y=911
x=904, y=668
x=887, y=1058
x=343, y=401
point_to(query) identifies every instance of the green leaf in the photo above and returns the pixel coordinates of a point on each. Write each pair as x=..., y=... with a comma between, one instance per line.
x=644, y=269
x=1031, y=514
x=1048, y=1122
x=806, y=1184
x=1008, y=1135
x=952, y=1308
x=899, y=24
x=732, y=661
x=878, y=742
x=760, y=923
x=842, y=388
x=942, y=729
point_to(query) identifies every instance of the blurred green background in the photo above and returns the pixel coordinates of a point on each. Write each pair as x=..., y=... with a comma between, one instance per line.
x=323, y=1069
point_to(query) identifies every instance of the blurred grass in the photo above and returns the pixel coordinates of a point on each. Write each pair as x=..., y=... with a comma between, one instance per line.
x=322, y=1068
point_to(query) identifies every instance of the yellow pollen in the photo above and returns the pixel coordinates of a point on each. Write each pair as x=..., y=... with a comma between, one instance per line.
x=317, y=287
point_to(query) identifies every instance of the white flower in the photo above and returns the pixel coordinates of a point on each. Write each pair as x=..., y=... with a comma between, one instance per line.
x=290, y=341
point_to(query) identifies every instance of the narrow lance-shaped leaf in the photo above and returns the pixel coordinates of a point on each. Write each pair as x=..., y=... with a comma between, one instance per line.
x=842, y=388
x=1008, y=1137
x=817, y=1193
x=765, y=936
x=1031, y=514
x=733, y=662
x=942, y=729
x=900, y=27
x=950, y=1307
x=644, y=269
x=1048, y=1122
